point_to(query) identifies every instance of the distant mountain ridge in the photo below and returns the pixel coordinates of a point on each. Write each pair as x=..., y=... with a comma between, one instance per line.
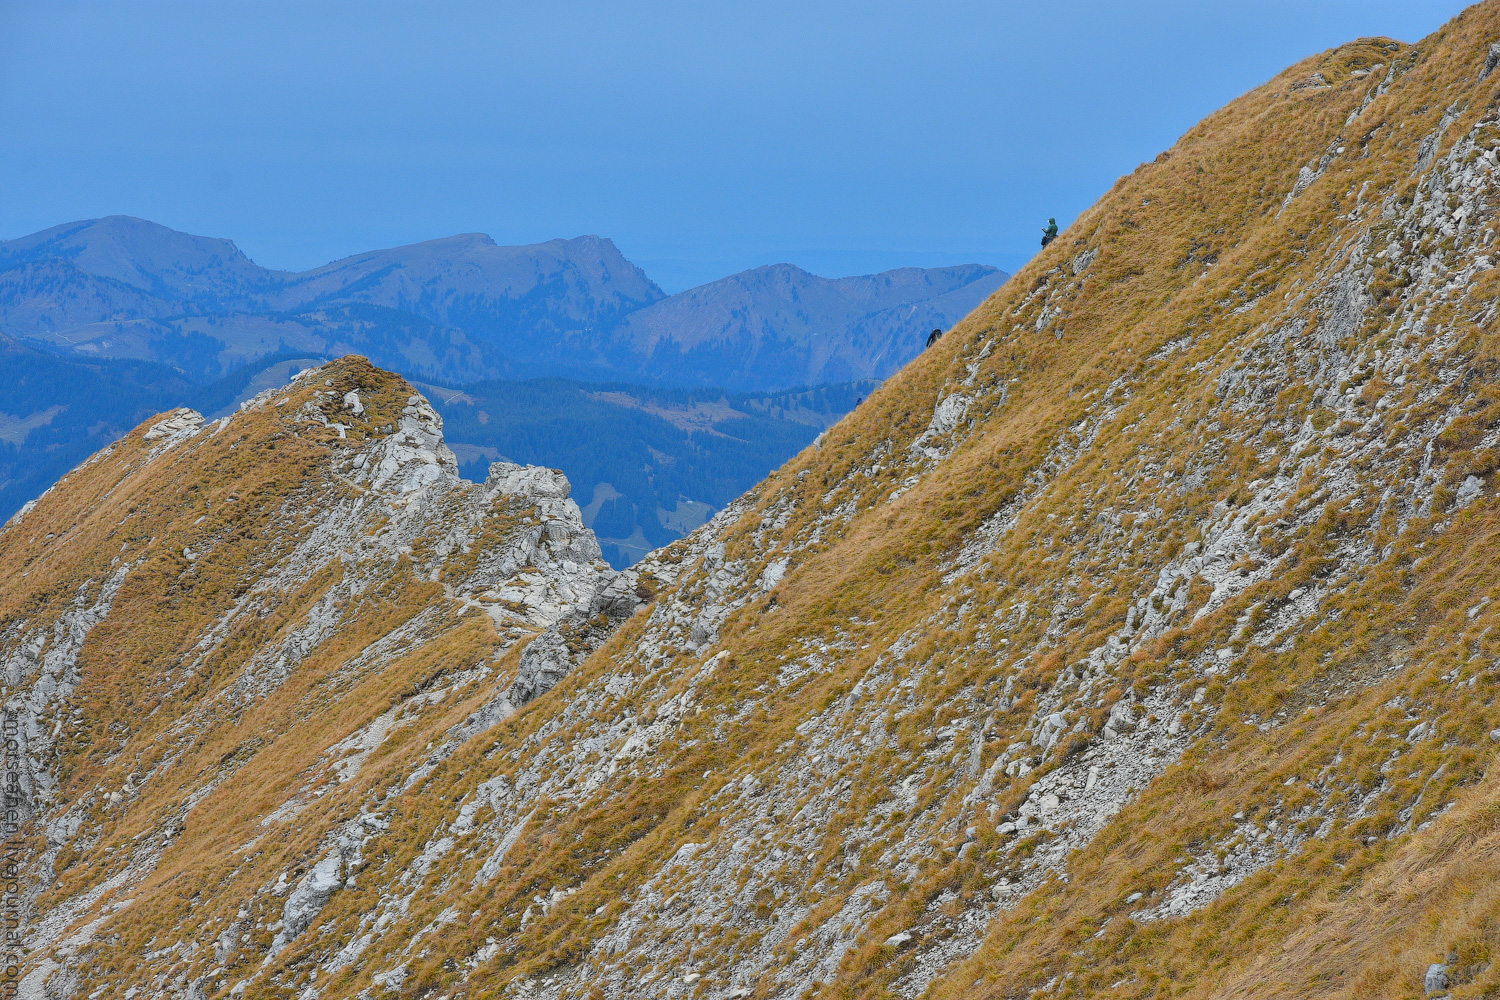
x=123, y=287
x=464, y=307
x=106, y=321
x=786, y=325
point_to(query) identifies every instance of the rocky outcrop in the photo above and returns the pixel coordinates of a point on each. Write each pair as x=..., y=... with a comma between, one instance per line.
x=375, y=494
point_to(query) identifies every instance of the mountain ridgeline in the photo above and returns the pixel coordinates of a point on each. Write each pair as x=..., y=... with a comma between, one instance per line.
x=1139, y=639
x=463, y=308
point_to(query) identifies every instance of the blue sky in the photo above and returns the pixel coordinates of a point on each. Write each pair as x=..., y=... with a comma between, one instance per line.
x=703, y=138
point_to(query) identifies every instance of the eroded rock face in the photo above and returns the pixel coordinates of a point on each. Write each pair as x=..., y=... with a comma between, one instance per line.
x=309, y=897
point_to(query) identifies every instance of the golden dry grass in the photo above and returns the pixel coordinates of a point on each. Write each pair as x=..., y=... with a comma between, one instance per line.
x=1194, y=250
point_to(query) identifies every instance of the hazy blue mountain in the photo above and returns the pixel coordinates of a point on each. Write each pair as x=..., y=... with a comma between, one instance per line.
x=522, y=301
x=463, y=308
x=456, y=307
x=155, y=261
x=779, y=326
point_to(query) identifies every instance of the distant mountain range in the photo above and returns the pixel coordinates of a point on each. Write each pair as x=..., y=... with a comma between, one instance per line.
x=463, y=308
x=779, y=326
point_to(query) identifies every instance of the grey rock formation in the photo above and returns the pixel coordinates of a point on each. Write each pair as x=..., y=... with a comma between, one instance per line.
x=308, y=898
x=1436, y=979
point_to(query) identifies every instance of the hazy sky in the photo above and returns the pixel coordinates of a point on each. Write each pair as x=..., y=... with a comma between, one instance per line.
x=702, y=137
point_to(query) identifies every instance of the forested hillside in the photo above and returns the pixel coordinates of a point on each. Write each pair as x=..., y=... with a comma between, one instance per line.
x=463, y=308
x=647, y=465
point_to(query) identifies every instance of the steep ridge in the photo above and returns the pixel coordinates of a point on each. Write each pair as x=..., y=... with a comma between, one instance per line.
x=1136, y=640
x=227, y=597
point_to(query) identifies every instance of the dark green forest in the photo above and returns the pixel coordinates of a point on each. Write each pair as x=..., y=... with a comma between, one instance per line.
x=55, y=413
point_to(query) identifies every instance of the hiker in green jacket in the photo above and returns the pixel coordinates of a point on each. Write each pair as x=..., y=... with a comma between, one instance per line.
x=1050, y=233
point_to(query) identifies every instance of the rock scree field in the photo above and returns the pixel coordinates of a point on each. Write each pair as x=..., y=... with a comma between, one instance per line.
x=1136, y=640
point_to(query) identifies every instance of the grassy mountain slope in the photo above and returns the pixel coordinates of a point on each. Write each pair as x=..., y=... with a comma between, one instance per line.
x=1137, y=640
x=171, y=615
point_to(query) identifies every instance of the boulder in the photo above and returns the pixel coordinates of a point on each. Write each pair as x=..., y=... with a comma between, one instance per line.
x=1436, y=979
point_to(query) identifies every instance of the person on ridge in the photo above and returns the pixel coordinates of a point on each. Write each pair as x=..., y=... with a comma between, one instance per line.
x=1050, y=233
